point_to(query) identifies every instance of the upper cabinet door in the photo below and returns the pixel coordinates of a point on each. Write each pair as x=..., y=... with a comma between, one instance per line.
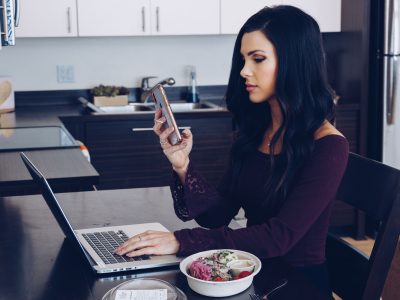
x=47, y=18
x=326, y=12
x=180, y=17
x=114, y=18
x=235, y=12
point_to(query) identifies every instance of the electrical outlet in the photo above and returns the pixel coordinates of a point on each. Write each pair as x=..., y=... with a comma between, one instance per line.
x=65, y=74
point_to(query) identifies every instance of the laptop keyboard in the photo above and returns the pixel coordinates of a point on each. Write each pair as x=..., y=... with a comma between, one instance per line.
x=104, y=243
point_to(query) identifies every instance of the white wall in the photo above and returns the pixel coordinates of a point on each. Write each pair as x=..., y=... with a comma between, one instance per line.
x=32, y=63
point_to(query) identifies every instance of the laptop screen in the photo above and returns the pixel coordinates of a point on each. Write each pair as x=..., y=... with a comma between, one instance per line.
x=50, y=198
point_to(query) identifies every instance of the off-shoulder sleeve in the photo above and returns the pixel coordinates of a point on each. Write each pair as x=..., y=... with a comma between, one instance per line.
x=314, y=190
x=196, y=199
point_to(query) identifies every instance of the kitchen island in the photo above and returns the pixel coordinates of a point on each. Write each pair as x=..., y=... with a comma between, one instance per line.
x=65, y=167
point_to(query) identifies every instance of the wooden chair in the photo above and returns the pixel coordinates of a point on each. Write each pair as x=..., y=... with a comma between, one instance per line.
x=373, y=188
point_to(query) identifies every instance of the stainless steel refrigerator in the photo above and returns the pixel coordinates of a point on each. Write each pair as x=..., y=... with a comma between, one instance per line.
x=390, y=91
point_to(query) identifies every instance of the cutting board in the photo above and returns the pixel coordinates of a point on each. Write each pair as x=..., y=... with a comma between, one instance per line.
x=7, y=103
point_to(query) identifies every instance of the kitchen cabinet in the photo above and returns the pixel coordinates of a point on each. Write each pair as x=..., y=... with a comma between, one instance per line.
x=347, y=121
x=326, y=12
x=180, y=17
x=235, y=12
x=47, y=18
x=70, y=18
x=147, y=17
x=116, y=18
x=126, y=152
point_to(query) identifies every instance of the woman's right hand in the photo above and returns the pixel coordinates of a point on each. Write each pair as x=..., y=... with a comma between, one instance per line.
x=178, y=155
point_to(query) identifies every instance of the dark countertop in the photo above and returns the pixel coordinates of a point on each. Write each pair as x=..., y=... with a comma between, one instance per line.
x=37, y=262
x=45, y=115
x=66, y=169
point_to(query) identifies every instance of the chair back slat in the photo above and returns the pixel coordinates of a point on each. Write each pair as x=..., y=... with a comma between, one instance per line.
x=383, y=252
x=374, y=188
x=366, y=184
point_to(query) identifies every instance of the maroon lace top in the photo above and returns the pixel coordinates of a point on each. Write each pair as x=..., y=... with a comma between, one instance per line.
x=296, y=232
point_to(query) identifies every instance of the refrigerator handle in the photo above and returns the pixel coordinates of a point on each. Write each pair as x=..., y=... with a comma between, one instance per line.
x=391, y=90
x=17, y=12
x=4, y=27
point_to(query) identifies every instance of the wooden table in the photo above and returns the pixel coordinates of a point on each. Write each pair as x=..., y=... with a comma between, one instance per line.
x=37, y=262
x=66, y=170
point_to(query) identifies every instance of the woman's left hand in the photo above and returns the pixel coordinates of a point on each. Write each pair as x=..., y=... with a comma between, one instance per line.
x=149, y=243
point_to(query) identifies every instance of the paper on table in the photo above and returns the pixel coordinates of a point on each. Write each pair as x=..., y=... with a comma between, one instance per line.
x=160, y=294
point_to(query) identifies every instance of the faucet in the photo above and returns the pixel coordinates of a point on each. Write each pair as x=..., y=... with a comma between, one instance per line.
x=145, y=87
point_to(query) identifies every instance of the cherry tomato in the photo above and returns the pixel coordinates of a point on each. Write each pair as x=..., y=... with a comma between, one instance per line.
x=218, y=279
x=244, y=274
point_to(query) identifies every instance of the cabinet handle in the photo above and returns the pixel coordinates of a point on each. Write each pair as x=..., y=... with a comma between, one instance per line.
x=17, y=13
x=151, y=129
x=158, y=19
x=69, y=19
x=4, y=29
x=142, y=129
x=143, y=20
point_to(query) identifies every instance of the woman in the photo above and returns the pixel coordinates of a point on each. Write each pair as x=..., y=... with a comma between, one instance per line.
x=287, y=160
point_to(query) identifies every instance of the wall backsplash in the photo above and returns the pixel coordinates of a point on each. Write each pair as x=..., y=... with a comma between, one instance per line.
x=32, y=63
x=116, y=60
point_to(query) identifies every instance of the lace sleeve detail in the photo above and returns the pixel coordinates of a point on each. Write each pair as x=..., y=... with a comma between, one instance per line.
x=193, y=197
x=194, y=183
x=177, y=191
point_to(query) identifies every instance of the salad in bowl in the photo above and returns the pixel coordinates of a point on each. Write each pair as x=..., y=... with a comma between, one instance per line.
x=220, y=273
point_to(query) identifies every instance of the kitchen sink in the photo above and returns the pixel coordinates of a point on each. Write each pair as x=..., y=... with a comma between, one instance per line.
x=149, y=107
x=133, y=107
x=137, y=107
x=182, y=107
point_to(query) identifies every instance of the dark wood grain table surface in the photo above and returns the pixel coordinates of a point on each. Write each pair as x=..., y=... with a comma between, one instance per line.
x=37, y=262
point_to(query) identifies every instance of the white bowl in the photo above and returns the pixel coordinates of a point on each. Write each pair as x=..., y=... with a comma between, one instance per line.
x=219, y=288
x=238, y=266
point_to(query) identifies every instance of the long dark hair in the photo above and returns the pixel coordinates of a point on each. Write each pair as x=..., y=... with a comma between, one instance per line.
x=302, y=91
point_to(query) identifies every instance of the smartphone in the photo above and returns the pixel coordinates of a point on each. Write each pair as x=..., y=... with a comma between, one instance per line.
x=161, y=101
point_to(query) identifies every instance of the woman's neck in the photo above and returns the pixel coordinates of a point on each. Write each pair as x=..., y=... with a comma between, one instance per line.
x=276, y=121
x=276, y=116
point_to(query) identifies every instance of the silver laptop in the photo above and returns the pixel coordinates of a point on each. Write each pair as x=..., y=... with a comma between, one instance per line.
x=98, y=244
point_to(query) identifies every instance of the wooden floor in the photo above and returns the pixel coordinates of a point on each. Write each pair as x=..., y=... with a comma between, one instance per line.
x=364, y=245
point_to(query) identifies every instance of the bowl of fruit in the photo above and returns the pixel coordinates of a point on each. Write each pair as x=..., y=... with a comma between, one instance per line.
x=220, y=273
